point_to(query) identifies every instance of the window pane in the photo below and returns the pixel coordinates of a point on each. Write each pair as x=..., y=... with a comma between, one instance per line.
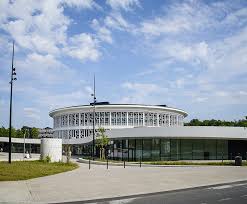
x=147, y=145
x=138, y=149
x=209, y=149
x=175, y=149
x=156, y=149
x=198, y=152
x=165, y=149
x=186, y=149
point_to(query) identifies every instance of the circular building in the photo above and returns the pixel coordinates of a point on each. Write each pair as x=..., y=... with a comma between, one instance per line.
x=76, y=122
x=146, y=132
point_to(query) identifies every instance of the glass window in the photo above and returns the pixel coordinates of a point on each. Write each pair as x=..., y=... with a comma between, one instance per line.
x=146, y=119
x=82, y=119
x=77, y=119
x=113, y=118
x=124, y=118
x=130, y=119
x=165, y=149
x=140, y=119
x=118, y=118
x=147, y=147
x=155, y=119
x=90, y=119
x=155, y=149
x=138, y=149
x=209, y=149
x=198, y=149
x=222, y=149
x=151, y=119
x=107, y=118
x=131, y=143
x=125, y=149
x=186, y=149
x=135, y=119
x=102, y=118
x=175, y=149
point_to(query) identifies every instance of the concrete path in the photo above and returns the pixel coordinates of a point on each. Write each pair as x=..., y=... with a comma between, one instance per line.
x=98, y=182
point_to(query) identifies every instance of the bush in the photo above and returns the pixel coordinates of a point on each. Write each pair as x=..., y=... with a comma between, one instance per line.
x=47, y=159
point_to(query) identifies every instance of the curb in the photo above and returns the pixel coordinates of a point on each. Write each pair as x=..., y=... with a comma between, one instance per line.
x=152, y=194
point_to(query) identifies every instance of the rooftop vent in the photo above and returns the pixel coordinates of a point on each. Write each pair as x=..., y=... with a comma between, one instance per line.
x=163, y=105
x=101, y=103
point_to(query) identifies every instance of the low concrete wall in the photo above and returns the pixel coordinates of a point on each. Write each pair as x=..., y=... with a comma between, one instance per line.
x=51, y=147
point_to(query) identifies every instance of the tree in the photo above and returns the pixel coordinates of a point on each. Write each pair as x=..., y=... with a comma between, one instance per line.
x=4, y=132
x=19, y=133
x=67, y=149
x=34, y=133
x=102, y=141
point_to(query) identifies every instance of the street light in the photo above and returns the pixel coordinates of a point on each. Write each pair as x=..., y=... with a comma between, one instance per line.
x=13, y=78
x=94, y=101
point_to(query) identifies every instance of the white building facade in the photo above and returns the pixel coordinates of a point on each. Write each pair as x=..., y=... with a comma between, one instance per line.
x=76, y=122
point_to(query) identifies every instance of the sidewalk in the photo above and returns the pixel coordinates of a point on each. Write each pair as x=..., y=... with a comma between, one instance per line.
x=98, y=182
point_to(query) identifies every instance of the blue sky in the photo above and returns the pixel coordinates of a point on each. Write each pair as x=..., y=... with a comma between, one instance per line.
x=186, y=54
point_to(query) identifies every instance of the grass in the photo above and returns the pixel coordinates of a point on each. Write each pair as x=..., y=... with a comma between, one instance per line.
x=219, y=163
x=23, y=170
x=208, y=163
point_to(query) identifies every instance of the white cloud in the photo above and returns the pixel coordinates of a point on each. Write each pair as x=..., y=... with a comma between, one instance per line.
x=44, y=68
x=179, y=51
x=103, y=33
x=123, y=4
x=42, y=28
x=83, y=47
x=116, y=21
x=141, y=92
x=179, y=17
x=57, y=100
x=33, y=113
x=82, y=4
x=200, y=99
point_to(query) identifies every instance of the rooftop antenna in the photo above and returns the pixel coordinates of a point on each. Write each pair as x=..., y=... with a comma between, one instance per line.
x=94, y=101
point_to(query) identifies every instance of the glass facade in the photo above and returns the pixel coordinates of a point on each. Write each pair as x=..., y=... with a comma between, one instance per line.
x=168, y=149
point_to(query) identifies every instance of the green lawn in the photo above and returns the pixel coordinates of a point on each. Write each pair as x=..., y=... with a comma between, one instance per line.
x=22, y=170
x=213, y=163
x=203, y=162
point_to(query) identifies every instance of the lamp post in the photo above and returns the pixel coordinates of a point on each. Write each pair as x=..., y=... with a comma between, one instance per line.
x=13, y=78
x=24, y=145
x=94, y=101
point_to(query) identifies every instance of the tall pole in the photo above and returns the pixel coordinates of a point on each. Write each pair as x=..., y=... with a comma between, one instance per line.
x=24, y=145
x=94, y=101
x=10, y=104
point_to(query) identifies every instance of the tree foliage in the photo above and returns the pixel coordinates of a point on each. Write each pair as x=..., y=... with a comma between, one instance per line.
x=19, y=133
x=213, y=122
x=102, y=141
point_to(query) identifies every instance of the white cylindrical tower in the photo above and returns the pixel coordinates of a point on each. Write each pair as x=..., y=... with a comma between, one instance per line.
x=51, y=147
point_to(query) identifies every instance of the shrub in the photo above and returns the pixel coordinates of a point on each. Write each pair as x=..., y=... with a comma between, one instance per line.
x=47, y=159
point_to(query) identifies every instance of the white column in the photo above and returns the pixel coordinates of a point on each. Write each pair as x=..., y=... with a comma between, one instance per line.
x=79, y=123
x=158, y=119
x=110, y=118
x=127, y=118
x=144, y=119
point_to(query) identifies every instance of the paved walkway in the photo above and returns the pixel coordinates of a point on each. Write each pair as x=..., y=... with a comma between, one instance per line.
x=98, y=182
